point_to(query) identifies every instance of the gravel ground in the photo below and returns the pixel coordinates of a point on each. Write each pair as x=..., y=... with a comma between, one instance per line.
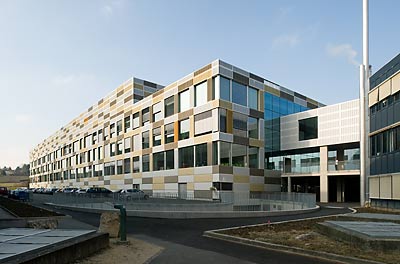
x=136, y=252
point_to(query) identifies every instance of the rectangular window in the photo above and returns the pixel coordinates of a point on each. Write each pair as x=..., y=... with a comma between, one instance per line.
x=215, y=153
x=308, y=128
x=239, y=124
x=157, y=136
x=120, y=166
x=119, y=127
x=127, y=145
x=145, y=116
x=157, y=115
x=253, y=157
x=222, y=120
x=146, y=163
x=112, y=149
x=225, y=154
x=135, y=121
x=252, y=126
x=184, y=127
x=112, y=130
x=203, y=123
x=239, y=93
x=158, y=161
x=184, y=100
x=225, y=89
x=127, y=124
x=201, y=155
x=119, y=147
x=94, y=138
x=169, y=160
x=239, y=153
x=109, y=168
x=127, y=165
x=136, y=165
x=98, y=170
x=169, y=133
x=186, y=159
x=145, y=140
x=169, y=106
x=100, y=135
x=200, y=93
x=100, y=153
x=136, y=142
x=253, y=98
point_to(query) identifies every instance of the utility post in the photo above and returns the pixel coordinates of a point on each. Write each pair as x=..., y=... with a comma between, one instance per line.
x=364, y=88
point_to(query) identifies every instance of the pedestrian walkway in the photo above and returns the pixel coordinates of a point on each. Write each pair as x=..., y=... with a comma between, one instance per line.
x=392, y=217
x=5, y=214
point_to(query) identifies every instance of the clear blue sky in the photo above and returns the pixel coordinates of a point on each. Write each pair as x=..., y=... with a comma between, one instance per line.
x=59, y=57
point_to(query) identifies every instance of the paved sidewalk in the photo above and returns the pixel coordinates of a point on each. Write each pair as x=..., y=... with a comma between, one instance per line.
x=5, y=215
x=392, y=217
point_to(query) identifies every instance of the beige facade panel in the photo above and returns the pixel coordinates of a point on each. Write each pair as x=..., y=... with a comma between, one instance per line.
x=373, y=97
x=385, y=187
x=256, y=187
x=374, y=187
x=385, y=90
x=396, y=186
x=396, y=83
x=202, y=178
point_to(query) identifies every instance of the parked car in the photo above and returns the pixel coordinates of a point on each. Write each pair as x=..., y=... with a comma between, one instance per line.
x=69, y=190
x=130, y=194
x=98, y=190
x=3, y=191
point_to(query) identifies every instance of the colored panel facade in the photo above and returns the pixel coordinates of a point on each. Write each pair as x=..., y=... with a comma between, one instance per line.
x=205, y=130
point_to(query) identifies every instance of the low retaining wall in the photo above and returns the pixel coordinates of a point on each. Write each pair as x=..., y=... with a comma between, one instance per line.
x=190, y=214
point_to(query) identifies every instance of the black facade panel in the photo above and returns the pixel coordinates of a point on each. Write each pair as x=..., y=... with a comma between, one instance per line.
x=390, y=119
x=372, y=123
x=384, y=167
x=396, y=111
x=397, y=161
x=378, y=120
x=390, y=163
x=378, y=167
x=383, y=115
x=372, y=166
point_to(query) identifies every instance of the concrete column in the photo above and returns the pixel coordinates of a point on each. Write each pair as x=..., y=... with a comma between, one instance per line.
x=323, y=178
x=289, y=183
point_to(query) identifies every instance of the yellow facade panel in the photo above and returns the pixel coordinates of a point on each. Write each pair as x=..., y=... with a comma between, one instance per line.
x=241, y=179
x=256, y=187
x=203, y=178
x=158, y=179
x=158, y=186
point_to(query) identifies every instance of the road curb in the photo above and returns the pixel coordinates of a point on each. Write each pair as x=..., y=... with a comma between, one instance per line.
x=288, y=249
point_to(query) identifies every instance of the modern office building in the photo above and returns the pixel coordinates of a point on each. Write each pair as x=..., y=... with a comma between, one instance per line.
x=384, y=136
x=319, y=153
x=212, y=129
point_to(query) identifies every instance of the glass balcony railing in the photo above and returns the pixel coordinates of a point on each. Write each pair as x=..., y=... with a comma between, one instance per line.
x=344, y=165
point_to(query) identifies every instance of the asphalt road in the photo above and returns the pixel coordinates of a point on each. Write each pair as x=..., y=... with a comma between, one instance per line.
x=183, y=242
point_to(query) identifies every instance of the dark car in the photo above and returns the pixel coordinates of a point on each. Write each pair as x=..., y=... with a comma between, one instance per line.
x=3, y=191
x=98, y=190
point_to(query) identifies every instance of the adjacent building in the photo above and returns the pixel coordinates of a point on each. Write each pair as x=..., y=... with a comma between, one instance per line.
x=216, y=128
x=319, y=153
x=384, y=136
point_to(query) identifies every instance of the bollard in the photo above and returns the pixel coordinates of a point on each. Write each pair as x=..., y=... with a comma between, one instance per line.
x=122, y=221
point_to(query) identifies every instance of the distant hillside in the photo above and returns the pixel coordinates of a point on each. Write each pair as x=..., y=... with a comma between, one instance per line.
x=20, y=171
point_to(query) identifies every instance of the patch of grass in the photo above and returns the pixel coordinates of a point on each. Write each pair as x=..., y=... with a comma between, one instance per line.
x=302, y=234
x=23, y=209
